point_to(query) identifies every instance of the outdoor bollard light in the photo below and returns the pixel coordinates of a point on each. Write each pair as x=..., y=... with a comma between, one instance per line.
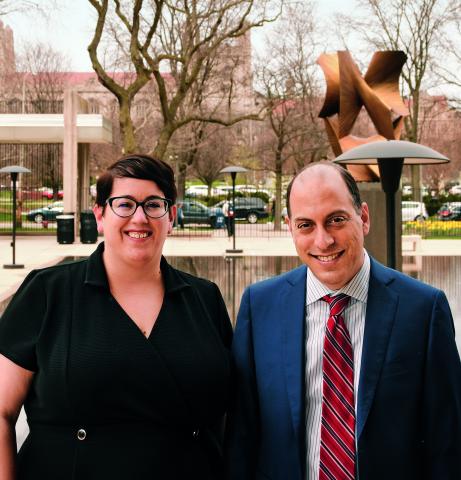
x=390, y=155
x=14, y=170
x=233, y=170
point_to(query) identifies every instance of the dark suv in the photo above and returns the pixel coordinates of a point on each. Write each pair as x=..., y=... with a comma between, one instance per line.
x=248, y=208
x=196, y=212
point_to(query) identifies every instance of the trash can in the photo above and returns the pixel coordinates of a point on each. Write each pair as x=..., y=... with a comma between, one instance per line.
x=219, y=220
x=65, y=228
x=88, y=228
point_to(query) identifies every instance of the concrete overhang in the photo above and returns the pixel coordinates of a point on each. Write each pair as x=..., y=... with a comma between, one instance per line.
x=49, y=128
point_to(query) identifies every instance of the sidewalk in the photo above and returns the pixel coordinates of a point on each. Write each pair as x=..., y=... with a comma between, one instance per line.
x=35, y=251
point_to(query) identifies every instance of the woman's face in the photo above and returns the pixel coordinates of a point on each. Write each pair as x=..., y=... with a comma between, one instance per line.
x=137, y=239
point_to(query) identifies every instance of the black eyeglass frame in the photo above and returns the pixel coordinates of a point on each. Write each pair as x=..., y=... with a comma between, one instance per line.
x=168, y=202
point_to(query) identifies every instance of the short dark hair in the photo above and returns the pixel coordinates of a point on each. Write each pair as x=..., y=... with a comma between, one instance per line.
x=351, y=184
x=143, y=167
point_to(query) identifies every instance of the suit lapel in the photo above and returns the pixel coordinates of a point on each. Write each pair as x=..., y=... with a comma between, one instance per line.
x=381, y=309
x=292, y=314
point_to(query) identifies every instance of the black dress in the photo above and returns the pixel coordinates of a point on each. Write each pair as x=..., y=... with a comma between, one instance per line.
x=106, y=402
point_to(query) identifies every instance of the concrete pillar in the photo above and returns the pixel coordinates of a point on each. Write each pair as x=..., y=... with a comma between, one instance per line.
x=84, y=176
x=70, y=152
x=375, y=241
x=76, y=169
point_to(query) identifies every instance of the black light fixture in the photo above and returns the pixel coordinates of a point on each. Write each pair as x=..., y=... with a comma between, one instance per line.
x=390, y=155
x=233, y=170
x=14, y=170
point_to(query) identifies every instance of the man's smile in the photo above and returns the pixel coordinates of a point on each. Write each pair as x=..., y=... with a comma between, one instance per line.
x=327, y=258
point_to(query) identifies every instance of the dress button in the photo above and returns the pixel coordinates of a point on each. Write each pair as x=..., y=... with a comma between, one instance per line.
x=81, y=434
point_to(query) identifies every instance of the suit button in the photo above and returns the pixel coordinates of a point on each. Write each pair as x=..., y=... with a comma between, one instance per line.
x=81, y=434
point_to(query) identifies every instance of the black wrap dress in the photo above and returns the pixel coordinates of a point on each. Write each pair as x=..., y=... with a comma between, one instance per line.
x=106, y=402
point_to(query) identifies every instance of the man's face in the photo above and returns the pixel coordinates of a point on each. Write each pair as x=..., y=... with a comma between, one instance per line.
x=327, y=230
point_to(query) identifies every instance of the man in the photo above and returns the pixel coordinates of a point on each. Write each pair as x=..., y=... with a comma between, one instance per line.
x=180, y=214
x=345, y=369
x=228, y=217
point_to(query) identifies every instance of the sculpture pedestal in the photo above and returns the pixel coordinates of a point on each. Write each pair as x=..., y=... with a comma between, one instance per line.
x=376, y=240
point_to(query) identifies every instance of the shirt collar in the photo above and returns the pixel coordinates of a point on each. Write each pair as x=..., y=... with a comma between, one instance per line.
x=96, y=272
x=356, y=288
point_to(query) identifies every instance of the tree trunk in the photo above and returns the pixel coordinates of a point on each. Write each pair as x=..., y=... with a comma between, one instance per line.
x=18, y=209
x=162, y=142
x=181, y=180
x=278, y=191
x=127, y=128
x=412, y=135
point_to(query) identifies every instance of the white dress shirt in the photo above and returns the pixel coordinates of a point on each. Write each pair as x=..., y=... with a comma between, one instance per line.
x=317, y=313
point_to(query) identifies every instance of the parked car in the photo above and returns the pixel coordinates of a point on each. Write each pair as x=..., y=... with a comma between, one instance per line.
x=455, y=190
x=48, y=193
x=196, y=212
x=251, y=209
x=450, y=211
x=197, y=191
x=406, y=190
x=47, y=213
x=413, y=211
x=202, y=191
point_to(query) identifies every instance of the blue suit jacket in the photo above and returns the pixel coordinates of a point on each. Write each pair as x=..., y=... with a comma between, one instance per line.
x=409, y=398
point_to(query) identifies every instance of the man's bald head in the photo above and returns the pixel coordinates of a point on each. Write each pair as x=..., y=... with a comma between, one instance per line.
x=326, y=165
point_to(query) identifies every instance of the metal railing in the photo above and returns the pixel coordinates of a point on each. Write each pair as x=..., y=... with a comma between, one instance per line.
x=202, y=216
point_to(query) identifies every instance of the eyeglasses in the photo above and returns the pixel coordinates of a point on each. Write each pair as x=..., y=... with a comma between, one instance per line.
x=153, y=207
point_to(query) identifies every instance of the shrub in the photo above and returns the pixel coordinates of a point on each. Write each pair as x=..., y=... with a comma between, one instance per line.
x=433, y=229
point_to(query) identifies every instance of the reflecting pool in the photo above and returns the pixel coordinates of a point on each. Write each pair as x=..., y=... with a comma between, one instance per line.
x=233, y=274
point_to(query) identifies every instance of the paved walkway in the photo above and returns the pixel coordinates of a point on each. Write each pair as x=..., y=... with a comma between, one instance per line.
x=39, y=251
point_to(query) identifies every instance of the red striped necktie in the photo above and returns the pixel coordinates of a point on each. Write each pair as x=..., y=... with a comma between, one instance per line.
x=337, y=433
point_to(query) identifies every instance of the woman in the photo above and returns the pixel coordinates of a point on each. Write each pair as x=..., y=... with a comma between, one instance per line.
x=120, y=360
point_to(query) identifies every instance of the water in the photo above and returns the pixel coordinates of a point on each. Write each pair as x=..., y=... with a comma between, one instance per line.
x=441, y=272
x=233, y=274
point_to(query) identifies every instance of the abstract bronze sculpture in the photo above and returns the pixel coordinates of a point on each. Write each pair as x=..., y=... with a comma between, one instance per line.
x=347, y=92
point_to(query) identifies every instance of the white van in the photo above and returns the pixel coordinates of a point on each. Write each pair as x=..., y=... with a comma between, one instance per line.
x=413, y=211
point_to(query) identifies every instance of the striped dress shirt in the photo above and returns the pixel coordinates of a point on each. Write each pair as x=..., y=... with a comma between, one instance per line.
x=317, y=313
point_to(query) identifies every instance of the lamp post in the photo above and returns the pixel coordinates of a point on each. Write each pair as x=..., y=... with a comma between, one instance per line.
x=233, y=170
x=390, y=155
x=14, y=170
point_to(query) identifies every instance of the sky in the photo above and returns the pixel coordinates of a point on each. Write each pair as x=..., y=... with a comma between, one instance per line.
x=69, y=28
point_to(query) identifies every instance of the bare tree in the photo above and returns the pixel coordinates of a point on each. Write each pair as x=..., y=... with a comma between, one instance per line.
x=179, y=36
x=12, y=6
x=448, y=60
x=223, y=87
x=415, y=27
x=214, y=154
x=44, y=72
x=291, y=91
x=441, y=128
x=43, y=77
